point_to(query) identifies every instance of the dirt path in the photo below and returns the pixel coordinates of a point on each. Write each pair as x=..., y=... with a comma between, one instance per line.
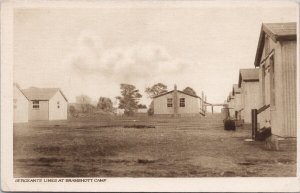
x=184, y=147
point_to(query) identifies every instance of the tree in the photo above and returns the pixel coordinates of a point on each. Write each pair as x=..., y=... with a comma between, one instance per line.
x=155, y=90
x=72, y=110
x=151, y=109
x=129, y=99
x=189, y=90
x=85, y=103
x=105, y=104
x=141, y=106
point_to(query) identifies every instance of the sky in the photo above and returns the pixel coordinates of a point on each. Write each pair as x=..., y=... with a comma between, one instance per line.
x=92, y=51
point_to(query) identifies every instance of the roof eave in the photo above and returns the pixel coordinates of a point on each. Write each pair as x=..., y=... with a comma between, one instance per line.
x=240, y=80
x=63, y=95
x=287, y=37
x=260, y=47
x=162, y=94
x=265, y=30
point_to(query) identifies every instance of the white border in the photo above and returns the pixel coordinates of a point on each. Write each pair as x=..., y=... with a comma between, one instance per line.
x=228, y=184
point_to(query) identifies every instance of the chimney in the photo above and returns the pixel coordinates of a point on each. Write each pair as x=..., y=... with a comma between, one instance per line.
x=175, y=100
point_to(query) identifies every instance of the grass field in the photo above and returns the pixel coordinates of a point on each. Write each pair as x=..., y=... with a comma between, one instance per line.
x=176, y=147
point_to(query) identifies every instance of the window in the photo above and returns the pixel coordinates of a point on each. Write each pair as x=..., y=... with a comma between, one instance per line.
x=169, y=102
x=58, y=106
x=15, y=103
x=36, y=104
x=272, y=81
x=182, y=102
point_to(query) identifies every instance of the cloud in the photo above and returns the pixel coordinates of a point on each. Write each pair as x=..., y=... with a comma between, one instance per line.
x=138, y=62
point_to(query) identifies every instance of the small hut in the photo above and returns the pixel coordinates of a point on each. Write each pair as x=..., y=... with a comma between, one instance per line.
x=276, y=58
x=249, y=84
x=231, y=104
x=178, y=103
x=20, y=105
x=46, y=104
x=236, y=92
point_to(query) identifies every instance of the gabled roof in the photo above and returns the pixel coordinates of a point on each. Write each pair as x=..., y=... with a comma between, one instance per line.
x=236, y=89
x=34, y=93
x=177, y=91
x=277, y=32
x=251, y=74
x=230, y=97
x=18, y=87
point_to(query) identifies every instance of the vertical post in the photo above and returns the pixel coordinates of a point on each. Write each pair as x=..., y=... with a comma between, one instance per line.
x=202, y=102
x=212, y=109
x=254, y=123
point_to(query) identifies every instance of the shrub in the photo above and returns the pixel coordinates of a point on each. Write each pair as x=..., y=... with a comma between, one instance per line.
x=150, y=112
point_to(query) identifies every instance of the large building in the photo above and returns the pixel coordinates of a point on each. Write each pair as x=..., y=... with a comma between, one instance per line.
x=46, y=104
x=249, y=84
x=20, y=105
x=276, y=58
x=176, y=102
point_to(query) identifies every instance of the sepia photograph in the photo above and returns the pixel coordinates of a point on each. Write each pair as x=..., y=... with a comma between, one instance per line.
x=101, y=91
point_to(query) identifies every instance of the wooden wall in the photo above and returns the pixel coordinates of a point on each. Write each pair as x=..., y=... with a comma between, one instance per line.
x=56, y=113
x=288, y=92
x=283, y=114
x=20, y=106
x=251, y=98
x=39, y=114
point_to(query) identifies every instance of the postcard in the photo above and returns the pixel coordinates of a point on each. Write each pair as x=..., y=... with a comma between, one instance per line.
x=149, y=96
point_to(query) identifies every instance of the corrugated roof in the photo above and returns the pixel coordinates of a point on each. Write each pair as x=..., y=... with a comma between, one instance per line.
x=34, y=93
x=251, y=74
x=277, y=32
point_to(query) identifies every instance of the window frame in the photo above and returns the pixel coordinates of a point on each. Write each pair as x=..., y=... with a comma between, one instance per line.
x=181, y=102
x=169, y=102
x=36, y=104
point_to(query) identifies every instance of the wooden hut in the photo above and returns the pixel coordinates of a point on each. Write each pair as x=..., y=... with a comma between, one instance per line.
x=276, y=57
x=178, y=103
x=20, y=105
x=46, y=104
x=236, y=92
x=249, y=84
x=231, y=105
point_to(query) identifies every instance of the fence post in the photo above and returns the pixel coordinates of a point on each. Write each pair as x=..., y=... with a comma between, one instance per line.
x=254, y=123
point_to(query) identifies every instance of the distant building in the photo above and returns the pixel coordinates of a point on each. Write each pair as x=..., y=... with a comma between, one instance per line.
x=20, y=105
x=142, y=110
x=236, y=92
x=249, y=84
x=276, y=58
x=231, y=104
x=120, y=111
x=176, y=102
x=46, y=104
